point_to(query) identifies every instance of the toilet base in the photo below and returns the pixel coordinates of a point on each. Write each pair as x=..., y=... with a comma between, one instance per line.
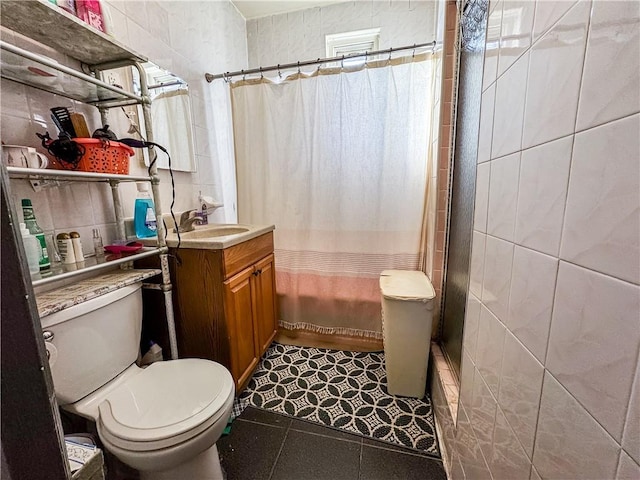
x=205, y=466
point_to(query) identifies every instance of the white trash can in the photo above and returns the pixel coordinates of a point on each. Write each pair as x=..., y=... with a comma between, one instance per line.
x=407, y=310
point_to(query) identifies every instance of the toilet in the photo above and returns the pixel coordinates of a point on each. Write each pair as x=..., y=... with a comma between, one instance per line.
x=163, y=420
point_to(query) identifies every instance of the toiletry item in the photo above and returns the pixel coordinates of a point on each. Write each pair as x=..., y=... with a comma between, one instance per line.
x=65, y=247
x=203, y=214
x=144, y=217
x=90, y=12
x=68, y=5
x=54, y=255
x=98, y=246
x=36, y=231
x=31, y=248
x=77, y=246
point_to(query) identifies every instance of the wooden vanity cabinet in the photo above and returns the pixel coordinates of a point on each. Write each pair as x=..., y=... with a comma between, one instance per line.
x=225, y=304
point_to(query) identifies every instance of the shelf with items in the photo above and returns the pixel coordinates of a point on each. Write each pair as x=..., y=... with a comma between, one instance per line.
x=40, y=72
x=43, y=22
x=93, y=264
x=71, y=175
x=52, y=26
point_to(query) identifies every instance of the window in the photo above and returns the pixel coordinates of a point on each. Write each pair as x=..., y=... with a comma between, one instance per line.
x=351, y=43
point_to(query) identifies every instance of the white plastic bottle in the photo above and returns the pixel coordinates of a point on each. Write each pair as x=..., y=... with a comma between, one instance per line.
x=77, y=246
x=31, y=248
x=65, y=247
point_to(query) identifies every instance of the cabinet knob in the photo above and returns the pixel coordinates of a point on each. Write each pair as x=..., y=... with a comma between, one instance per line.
x=257, y=272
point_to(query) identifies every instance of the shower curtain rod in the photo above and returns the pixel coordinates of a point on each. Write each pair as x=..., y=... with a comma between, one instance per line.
x=210, y=78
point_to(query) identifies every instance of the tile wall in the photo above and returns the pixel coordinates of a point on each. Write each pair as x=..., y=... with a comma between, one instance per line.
x=300, y=35
x=205, y=37
x=550, y=383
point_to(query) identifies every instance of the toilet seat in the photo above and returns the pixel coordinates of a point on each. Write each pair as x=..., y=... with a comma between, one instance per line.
x=166, y=404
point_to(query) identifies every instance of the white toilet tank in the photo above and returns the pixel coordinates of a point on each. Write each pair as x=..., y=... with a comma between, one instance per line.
x=93, y=342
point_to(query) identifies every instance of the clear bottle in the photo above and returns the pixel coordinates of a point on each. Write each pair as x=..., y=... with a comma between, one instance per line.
x=36, y=231
x=144, y=215
x=98, y=246
x=54, y=255
x=31, y=248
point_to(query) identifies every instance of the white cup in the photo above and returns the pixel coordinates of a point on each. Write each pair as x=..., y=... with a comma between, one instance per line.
x=36, y=159
x=20, y=156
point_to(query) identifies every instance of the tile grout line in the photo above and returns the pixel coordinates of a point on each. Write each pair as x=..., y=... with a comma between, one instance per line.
x=554, y=139
x=560, y=260
x=275, y=462
x=360, y=459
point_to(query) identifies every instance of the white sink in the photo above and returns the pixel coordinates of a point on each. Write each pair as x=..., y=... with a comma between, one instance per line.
x=216, y=236
x=210, y=231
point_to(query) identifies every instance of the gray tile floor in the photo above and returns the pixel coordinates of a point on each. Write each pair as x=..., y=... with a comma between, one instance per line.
x=265, y=445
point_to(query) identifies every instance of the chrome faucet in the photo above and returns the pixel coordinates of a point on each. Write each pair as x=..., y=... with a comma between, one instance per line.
x=187, y=221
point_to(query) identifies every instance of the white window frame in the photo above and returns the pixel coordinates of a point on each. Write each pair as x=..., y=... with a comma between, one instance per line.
x=349, y=43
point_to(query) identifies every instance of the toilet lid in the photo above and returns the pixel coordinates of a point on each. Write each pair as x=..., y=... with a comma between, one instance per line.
x=166, y=399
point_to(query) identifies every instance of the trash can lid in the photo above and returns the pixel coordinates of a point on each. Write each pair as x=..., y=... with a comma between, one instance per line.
x=407, y=285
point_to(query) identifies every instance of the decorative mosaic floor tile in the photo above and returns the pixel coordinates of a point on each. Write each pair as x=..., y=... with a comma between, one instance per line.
x=344, y=390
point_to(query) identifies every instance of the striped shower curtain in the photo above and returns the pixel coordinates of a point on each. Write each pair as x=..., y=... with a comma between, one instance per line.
x=337, y=160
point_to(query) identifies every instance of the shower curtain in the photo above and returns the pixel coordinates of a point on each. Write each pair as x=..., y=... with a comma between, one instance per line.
x=337, y=160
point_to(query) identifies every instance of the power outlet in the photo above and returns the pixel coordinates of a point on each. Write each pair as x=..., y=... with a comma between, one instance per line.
x=111, y=78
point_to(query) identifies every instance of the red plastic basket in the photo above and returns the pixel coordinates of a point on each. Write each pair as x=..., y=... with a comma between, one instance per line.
x=104, y=156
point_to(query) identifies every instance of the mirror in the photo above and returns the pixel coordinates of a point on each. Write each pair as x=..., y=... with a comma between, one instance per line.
x=171, y=117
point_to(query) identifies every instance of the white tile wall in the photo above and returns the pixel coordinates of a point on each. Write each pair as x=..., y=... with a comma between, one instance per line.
x=613, y=47
x=533, y=283
x=553, y=85
x=569, y=442
x=489, y=359
x=482, y=197
x=483, y=414
x=509, y=109
x=494, y=27
x=559, y=294
x=631, y=436
x=602, y=218
x=627, y=468
x=503, y=196
x=206, y=36
x=542, y=192
x=300, y=35
x=496, y=282
x=520, y=387
x=595, y=361
x=515, y=34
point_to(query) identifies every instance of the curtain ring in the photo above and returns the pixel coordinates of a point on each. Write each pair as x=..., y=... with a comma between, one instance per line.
x=244, y=76
x=342, y=62
x=279, y=73
x=298, y=67
x=390, y=50
x=319, y=64
x=261, y=75
x=413, y=55
x=366, y=57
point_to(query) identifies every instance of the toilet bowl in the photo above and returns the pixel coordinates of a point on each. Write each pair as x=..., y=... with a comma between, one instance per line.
x=163, y=420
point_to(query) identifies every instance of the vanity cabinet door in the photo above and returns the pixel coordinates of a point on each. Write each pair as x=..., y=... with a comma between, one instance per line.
x=239, y=313
x=265, y=305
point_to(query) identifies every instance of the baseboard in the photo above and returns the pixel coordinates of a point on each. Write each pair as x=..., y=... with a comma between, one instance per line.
x=303, y=338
